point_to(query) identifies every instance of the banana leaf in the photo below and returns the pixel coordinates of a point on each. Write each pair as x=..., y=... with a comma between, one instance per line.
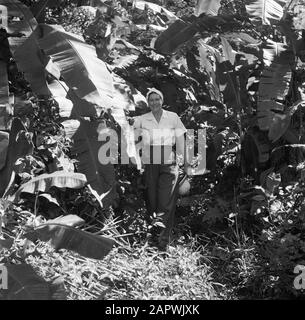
x=25, y=284
x=209, y=7
x=4, y=140
x=33, y=65
x=19, y=146
x=180, y=31
x=70, y=105
x=75, y=101
x=242, y=37
x=125, y=61
x=265, y=11
x=18, y=21
x=124, y=99
x=174, y=36
x=228, y=52
x=255, y=150
x=273, y=87
x=3, y=84
x=226, y=78
x=201, y=66
x=66, y=237
x=71, y=220
x=22, y=31
x=281, y=122
x=59, y=179
x=4, y=97
x=59, y=92
x=85, y=148
x=82, y=71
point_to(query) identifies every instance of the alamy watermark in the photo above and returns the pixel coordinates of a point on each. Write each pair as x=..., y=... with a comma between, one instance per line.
x=3, y=278
x=299, y=280
x=157, y=146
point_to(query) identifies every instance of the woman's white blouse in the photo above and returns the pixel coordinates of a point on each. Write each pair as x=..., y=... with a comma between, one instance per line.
x=164, y=133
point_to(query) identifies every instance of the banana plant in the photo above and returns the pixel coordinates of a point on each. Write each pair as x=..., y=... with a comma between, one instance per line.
x=276, y=60
x=63, y=64
x=273, y=87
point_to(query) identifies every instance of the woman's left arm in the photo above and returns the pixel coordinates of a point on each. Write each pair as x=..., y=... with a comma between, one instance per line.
x=181, y=147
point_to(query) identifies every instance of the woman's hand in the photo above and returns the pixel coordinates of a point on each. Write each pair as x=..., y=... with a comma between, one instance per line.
x=188, y=169
x=130, y=121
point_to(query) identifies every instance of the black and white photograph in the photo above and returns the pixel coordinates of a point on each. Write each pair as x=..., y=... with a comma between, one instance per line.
x=152, y=153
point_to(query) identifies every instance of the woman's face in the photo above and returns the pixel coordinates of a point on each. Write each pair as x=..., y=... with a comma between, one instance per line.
x=154, y=102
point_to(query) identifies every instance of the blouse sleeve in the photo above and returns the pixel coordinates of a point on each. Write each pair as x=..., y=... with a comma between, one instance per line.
x=138, y=122
x=179, y=127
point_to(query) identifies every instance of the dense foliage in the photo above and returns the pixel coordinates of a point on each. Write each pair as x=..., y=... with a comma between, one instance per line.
x=235, y=68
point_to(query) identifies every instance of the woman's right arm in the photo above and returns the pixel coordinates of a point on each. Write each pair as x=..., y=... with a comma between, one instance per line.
x=135, y=122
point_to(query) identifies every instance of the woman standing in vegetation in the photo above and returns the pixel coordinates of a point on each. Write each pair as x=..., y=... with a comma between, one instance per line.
x=162, y=134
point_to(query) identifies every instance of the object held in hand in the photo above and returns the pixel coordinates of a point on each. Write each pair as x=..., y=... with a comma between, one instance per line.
x=184, y=186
